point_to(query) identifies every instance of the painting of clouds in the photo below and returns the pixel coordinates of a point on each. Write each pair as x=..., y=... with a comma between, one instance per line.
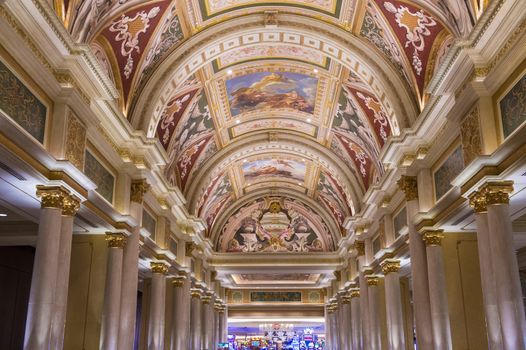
x=255, y=91
x=264, y=168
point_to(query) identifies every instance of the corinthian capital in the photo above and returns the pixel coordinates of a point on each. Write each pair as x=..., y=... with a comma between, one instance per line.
x=70, y=206
x=52, y=196
x=138, y=189
x=408, y=185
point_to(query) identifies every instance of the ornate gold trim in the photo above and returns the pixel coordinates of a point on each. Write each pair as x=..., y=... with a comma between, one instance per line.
x=355, y=293
x=433, y=238
x=408, y=185
x=71, y=205
x=138, y=189
x=159, y=267
x=497, y=192
x=116, y=240
x=52, y=196
x=360, y=247
x=390, y=265
x=372, y=280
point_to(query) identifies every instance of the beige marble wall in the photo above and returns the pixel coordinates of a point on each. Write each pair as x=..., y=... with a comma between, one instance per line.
x=464, y=291
x=86, y=292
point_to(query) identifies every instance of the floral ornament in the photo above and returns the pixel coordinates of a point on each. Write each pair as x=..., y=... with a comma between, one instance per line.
x=417, y=28
x=168, y=119
x=186, y=158
x=128, y=30
x=379, y=114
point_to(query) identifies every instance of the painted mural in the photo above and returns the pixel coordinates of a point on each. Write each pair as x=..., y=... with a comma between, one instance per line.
x=275, y=297
x=102, y=178
x=274, y=225
x=333, y=196
x=268, y=90
x=210, y=8
x=513, y=108
x=274, y=123
x=447, y=172
x=271, y=51
x=19, y=103
x=274, y=168
x=217, y=196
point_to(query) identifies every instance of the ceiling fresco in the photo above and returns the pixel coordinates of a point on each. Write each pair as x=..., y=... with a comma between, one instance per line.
x=277, y=117
x=275, y=225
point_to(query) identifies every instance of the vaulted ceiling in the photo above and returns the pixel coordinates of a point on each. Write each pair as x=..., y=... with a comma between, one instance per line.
x=272, y=115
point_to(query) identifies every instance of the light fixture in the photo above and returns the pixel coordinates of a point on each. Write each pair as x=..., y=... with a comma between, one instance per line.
x=229, y=72
x=3, y=215
x=315, y=71
x=299, y=183
x=244, y=160
x=309, y=120
x=238, y=121
x=302, y=159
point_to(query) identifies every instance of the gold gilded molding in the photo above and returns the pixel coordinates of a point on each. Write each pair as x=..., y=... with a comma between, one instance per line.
x=390, y=265
x=195, y=293
x=159, y=267
x=372, y=280
x=138, y=189
x=497, y=192
x=477, y=200
x=75, y=141
x=470, y=136
x=360, y=247
x=355, y=293
x=433, y=238
x=70, y=205
x=408, y=185
x=52, y=196
x=178, y=281
x=116, y=240
x=346, y=299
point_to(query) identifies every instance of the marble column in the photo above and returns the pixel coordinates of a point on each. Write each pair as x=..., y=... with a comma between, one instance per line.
x=505, y=266
x=70, y=208
x=130, y=275
x=356, y=324
x=195, y=320
x=364, y=298
x=489, y=288
x=224, y=323
x=157, y=306
x=345, y=317
x=328, y=326
x=336, y=327
x=217, y=325
x=109, y=337
x=41, y=308
x=374, y=312
x=181, y=311
x=417, y=251
x=437, y=290
x=393, y=301
x=206, y=321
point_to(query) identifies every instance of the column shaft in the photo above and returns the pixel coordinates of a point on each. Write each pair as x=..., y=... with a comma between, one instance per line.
x=157, y=315
x=356, y=325
x=437, y=291
x=506, y=269
x=61, y=293
x=181, y=312
x=374, y=316
x=489, y=289
x=420, y=284
x=109, y=339
x=195, y=322
x=395, y=319
x=364, y=313
x=41, y=308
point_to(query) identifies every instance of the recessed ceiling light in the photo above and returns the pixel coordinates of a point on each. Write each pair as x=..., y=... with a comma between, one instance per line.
x=238, y=121
x=244, y=160
x=229, y=72
x=302, y=159
x=315, y=71
x=3, y=215
x=309, y=120
x=299, y=183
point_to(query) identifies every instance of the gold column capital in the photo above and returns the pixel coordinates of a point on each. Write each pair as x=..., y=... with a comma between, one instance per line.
x=408, y=185
x=497, y=192
x=355, y=293
x=433, y=237
x=52, y=196
x=477, y=200
x=195, y=293
x=372, y=280
x=178, y=281
x=346, y=299
x=390, y=265
x=159, y=267
x=116, y=240
x=360, y=247
x=138, y=189
x=71, y=205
